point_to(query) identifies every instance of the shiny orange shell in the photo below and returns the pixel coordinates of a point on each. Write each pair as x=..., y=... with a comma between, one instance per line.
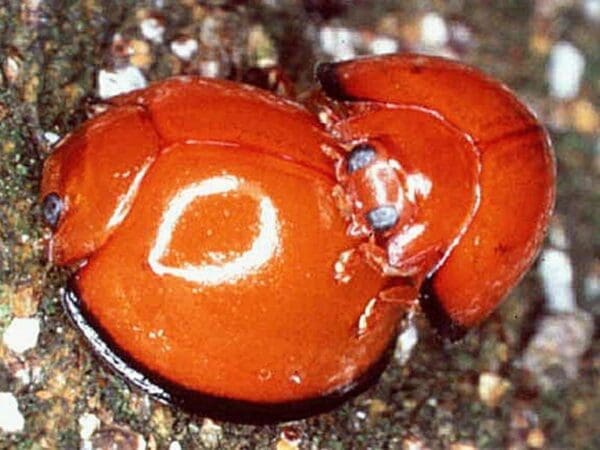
x=225, y=262
x=203, y=211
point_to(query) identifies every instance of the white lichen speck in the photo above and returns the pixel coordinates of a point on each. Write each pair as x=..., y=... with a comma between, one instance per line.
x=184, y=49
x=22, y=334
x=88, y=424
x=382, y=45
x=51, y=138
x=120, y=81
x=11, y=419
x=152, y=29
x=434, y=31
x=565, y=70
x=210, y=434
x=556, y=272
x=338, y=42
x=406, y=342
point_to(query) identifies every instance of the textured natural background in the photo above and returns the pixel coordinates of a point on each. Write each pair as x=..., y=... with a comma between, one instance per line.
x=528, y=378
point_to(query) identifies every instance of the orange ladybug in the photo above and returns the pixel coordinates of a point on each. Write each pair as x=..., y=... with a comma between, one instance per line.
x=238, y=256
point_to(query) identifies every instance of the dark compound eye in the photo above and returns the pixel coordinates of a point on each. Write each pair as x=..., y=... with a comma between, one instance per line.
x=383, y=217
x=360, y=156
x=52, y=207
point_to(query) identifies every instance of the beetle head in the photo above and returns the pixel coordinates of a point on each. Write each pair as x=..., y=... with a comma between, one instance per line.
x=90, y=181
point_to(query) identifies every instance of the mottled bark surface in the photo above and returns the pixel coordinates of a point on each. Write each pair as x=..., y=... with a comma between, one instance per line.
x=51, y=53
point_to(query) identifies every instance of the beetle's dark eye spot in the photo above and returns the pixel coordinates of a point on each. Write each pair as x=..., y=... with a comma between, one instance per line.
x=51, y=209
x=383, y=217
x=360, y=156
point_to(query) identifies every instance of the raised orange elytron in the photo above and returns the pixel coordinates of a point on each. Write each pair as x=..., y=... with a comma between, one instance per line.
x=252, y=258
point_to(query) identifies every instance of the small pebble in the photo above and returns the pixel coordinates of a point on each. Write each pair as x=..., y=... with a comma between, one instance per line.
x=338, y=42
x=51, y=138
x=31, y=11
x=120, y=49
x=462, y=446
x=377, y=408
x=210, y=434
x=556, y=272
x=153, y=29
x=115, y=437
x=536, y=438
x=210, y=32
x=120, y=81
x=540, y=43
x=434, y=32
x=578, y=409
x=88, y=424
x=140, y=54
x=27, y=374
x=12, y=68
x=175, y=445
x=413, y=443
x=261, y=48
x=22, y=334
x=553, y=354
x=591, y=9
x=288, y=441
x=492, y=388
x=406, y=342
x=23, y=301
x=461, y=35
x=23, y=375
x=565, y=70
x=557, y=234
x=184, y=48
x=11, y=419
x=585, y=117
x=290, y=433
x=382, y=45
x=210, y=68
x=283, y=444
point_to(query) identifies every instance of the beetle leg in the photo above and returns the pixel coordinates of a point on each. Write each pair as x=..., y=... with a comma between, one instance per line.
x=404, y=296
x=415, y=265
x=418, y=265
x=345, y=265
x=377, y=258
